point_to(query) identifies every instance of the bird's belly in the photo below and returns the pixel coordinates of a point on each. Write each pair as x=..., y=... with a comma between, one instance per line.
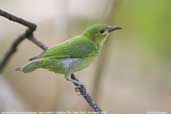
x=82, y=63
x=68, y=64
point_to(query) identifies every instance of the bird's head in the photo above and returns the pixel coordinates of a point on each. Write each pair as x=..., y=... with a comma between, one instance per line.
x=98, y=33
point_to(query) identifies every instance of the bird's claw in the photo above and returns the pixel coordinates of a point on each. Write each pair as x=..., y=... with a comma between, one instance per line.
x=77, y=89
x=78, y=84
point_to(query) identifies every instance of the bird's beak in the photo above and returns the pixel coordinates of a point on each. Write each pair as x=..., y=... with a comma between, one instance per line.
x=112, y=28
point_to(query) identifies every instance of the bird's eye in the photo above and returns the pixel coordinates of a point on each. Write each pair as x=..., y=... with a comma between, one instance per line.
x=102, y=31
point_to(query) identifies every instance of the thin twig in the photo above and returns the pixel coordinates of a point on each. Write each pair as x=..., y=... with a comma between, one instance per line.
x=28, y=34
x=33, y=39
x=11, y=51
x=21, y=21
x=86, y=96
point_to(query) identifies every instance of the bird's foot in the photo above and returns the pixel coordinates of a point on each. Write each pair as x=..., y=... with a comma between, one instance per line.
x=77, y=89
x=78, y=83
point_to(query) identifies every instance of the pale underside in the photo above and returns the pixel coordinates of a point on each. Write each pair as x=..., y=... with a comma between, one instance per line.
x=66, y=66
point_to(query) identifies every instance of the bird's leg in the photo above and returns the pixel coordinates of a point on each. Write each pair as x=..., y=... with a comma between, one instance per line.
x=78, y=88
x=74, y=81
x=78, y=83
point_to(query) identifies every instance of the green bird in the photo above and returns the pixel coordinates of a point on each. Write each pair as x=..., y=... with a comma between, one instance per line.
x=74, y=54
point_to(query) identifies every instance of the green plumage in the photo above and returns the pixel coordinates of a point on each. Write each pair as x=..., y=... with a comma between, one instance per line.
x=72, y=55
x=76, y=47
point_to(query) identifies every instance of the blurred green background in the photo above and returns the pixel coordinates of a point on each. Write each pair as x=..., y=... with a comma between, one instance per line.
x=131, y=76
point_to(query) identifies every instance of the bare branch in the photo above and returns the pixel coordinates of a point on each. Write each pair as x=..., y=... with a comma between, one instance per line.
x=28, y=34
x=11, y=17
x=86, y=96
x=38, y=43
x=11, y=51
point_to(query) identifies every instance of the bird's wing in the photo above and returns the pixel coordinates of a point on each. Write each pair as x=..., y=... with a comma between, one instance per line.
x=77, y=47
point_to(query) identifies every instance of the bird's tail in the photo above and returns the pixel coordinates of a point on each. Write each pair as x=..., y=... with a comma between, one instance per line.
x=30, y=67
